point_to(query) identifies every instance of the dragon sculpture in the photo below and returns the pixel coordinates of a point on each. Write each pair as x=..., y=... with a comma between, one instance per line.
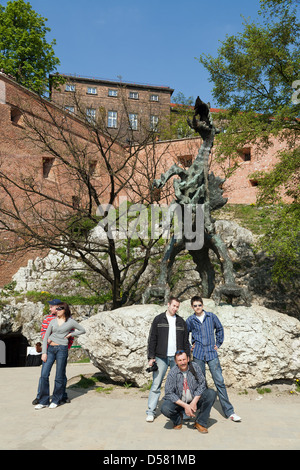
x=196, y=186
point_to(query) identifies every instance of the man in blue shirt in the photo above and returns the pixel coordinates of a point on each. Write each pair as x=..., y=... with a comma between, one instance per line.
x=207, y=337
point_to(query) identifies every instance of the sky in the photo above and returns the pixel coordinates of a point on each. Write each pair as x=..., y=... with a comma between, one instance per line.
x=155, y=42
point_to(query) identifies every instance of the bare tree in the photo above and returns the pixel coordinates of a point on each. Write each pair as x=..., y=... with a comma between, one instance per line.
x=74, y=167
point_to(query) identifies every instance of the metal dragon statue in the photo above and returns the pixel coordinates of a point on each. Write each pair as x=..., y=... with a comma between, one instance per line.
x=196, y=186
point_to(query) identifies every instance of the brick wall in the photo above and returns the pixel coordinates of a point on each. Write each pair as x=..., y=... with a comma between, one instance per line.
x=22, y=158
x=240, y=187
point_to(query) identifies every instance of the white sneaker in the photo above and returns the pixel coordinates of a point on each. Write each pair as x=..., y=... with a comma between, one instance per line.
x=150, y=418
x=53, y=405
x=235, y=417
x=39, y=406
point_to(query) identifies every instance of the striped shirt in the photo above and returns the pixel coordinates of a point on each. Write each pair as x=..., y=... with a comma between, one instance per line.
x=175, y=383
x=205, y=335
x=45, y=325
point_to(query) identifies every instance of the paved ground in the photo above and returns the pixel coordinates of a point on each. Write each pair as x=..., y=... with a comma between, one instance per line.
x=116, y=421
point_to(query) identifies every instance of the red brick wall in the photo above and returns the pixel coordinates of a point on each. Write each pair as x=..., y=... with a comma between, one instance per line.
x=240, y=187
x=21, y=157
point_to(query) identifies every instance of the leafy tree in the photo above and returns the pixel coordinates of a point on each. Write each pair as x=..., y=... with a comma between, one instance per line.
x=24, y=50
x=254, y=77
x=255, y=69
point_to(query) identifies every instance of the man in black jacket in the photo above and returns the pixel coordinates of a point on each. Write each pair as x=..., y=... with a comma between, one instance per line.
x=168, y=334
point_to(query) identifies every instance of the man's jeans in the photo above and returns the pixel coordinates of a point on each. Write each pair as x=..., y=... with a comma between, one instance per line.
x=158, y=377
x=216, y=373
x=205, y=403
x=60, y=355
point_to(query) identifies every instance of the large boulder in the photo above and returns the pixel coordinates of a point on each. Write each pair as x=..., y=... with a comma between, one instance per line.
x=260, y=346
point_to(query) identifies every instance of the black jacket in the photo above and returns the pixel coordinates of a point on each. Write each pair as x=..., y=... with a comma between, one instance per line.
x=158, y=336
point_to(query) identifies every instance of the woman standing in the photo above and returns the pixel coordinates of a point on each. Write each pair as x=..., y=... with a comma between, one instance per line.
x=55, y=348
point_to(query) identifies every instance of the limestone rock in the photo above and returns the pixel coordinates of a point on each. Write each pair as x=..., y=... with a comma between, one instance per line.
x=116, y=342
x=261, y=345
x=233, y=234
x=25, y=318
x=238, y=240
x=42, y=273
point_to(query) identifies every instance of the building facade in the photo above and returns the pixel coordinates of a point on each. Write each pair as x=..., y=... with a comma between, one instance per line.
x=126, y=110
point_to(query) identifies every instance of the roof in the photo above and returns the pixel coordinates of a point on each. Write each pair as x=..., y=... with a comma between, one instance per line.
x=109, y=82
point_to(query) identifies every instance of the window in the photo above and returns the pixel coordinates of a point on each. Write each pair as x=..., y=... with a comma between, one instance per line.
x=92, y=168
x=75, y=202
x=153, y=122
x=47, y=166
x=185, y=160
x=245, y=154
x=133, y=95
x=70, y=109
x=153, y=97
x=112, y=119
x=91, y=114
x=133, y=121
x=91, y=90
x=113, y=93
x=16, y=116
x=70, y=87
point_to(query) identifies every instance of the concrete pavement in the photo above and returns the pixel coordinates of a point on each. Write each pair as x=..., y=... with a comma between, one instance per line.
x=94, y=421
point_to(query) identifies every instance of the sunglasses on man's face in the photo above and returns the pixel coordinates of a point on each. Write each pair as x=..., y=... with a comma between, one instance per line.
x=197, y=305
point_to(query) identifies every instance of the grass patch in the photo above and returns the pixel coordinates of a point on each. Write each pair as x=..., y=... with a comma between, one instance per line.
x=84, y=360
x=93, y=382
x=85, y=382
x=261, y=391
x=106, y=390
x=127, y=385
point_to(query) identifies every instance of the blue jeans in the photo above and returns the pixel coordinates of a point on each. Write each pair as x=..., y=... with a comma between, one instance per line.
x=158, y=377
x=205, y=403
x=216, y=373
x=60, y=355
x=65, y=395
